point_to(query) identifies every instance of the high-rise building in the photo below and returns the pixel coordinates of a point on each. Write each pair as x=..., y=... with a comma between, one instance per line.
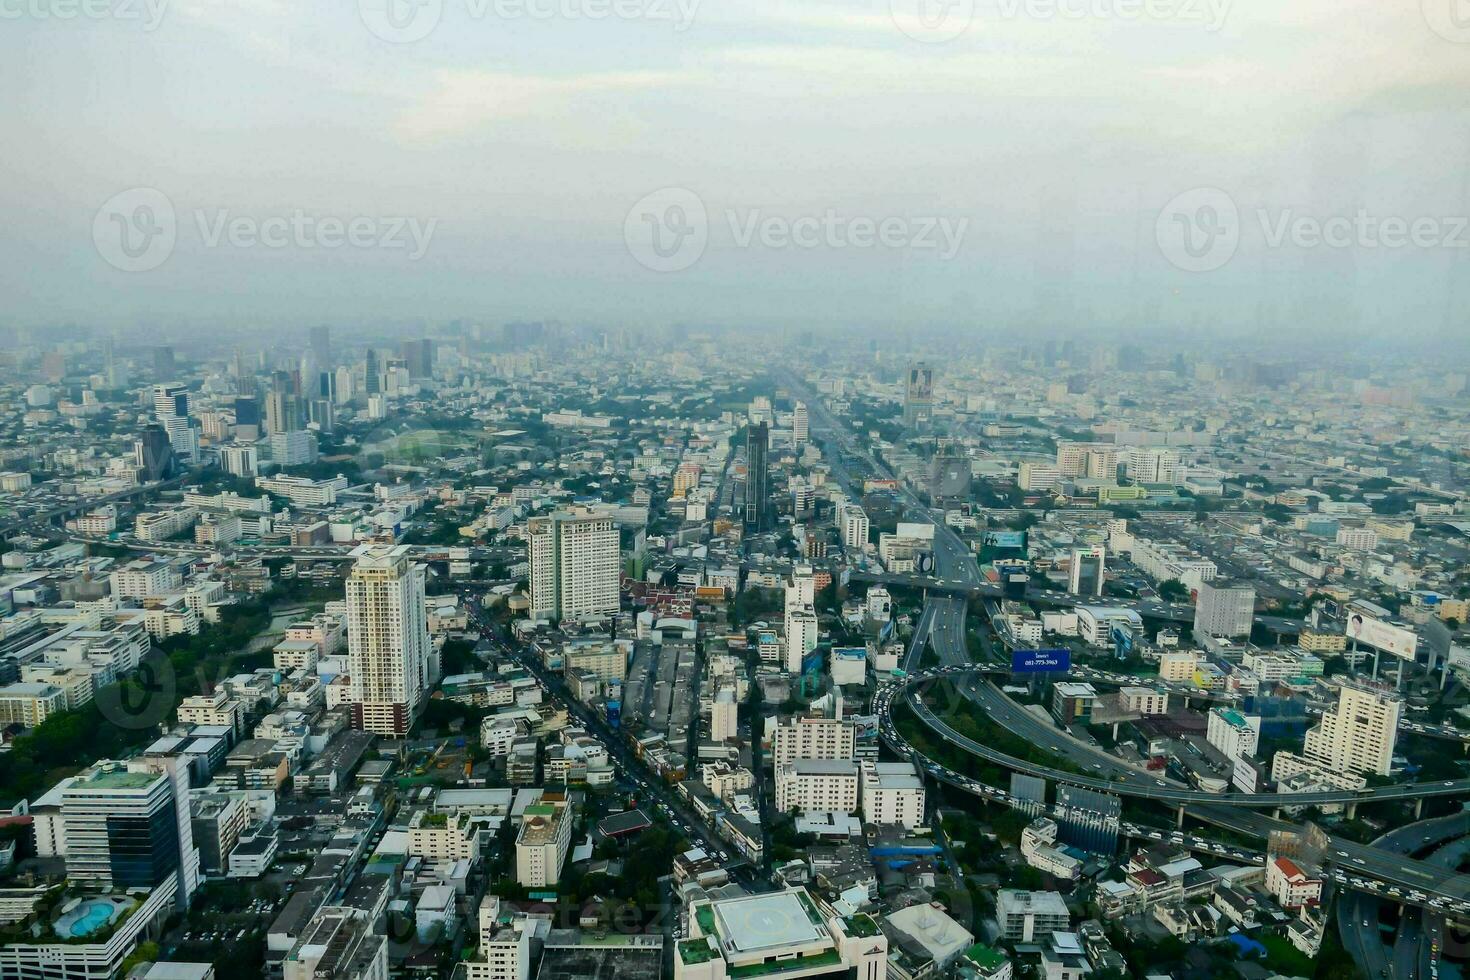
x=918, y=396
x=1087, y=571
x=170, y=401
x=757, y=451
x=855, y=528
x=388, y=647
x=153, y=452
x=239, y=461
x=800, y=425
x=1224, y=609
x=321, y=346
x=128, y=825
x=372, y=374
x=542, y=844
x=293, y=448
x=418, y=357
x=574, y=558
x=1358, y=735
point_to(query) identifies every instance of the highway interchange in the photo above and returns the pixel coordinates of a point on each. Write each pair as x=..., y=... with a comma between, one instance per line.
x=1374, y=873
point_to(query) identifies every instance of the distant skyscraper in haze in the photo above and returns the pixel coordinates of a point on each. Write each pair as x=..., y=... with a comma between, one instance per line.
x=321, y=346
x=418, y=356
x=574, y=557
x=757, y=452
x=164, y=367
x=244, y=376
x=388, y=646
x=918, y=396
x=372, y=373
x=247, y=419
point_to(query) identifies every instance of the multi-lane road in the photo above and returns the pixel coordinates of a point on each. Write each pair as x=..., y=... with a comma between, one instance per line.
x=1131, y=782
x=942, y=624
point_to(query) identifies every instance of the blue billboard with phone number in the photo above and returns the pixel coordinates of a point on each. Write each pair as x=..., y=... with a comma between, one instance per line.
x=1041, y=661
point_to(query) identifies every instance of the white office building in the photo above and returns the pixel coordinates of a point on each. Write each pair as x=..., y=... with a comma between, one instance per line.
x=823, y=786
x=1224, y=609
x=892, y=793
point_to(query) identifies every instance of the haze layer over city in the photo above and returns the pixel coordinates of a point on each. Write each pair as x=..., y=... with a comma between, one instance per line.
x=642, y=490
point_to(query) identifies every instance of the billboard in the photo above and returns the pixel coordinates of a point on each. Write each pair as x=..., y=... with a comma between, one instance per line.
x=1383, y=636
x=1041, y=661
x=1005, y=539
x=865, y=726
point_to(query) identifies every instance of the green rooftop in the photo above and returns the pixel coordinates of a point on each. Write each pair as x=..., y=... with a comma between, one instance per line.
x=705, y=916
x=828, y=957
x=984, y=957
x=860, y=926
x=121, y=779
x=695, y=951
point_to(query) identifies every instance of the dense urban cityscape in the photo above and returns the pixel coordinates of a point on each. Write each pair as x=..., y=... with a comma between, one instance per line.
x=536, y=651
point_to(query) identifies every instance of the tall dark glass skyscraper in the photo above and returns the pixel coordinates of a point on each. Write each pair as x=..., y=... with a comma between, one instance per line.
x=757, y=491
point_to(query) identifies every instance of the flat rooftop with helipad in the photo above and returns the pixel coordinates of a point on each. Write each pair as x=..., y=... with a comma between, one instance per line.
x=763, y=922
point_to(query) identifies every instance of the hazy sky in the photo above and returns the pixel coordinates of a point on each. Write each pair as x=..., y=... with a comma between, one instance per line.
x=1097, y=162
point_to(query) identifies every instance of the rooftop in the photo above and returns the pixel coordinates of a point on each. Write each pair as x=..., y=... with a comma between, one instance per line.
x=765, y=923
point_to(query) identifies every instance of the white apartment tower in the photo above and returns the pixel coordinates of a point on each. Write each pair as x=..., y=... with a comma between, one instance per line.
x=800, y=425
x=801, y=617
x=574, y=565
x=855, y=528
x=1358, y=735
x=388, y=646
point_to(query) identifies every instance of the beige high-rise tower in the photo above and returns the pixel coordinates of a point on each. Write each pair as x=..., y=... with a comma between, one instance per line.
x=388, y=647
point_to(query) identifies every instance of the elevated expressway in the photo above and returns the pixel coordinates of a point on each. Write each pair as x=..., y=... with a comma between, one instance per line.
x=942, y=623
x=1349, y=864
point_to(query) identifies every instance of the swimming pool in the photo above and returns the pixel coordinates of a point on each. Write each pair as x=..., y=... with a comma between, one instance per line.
x=89, y=916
